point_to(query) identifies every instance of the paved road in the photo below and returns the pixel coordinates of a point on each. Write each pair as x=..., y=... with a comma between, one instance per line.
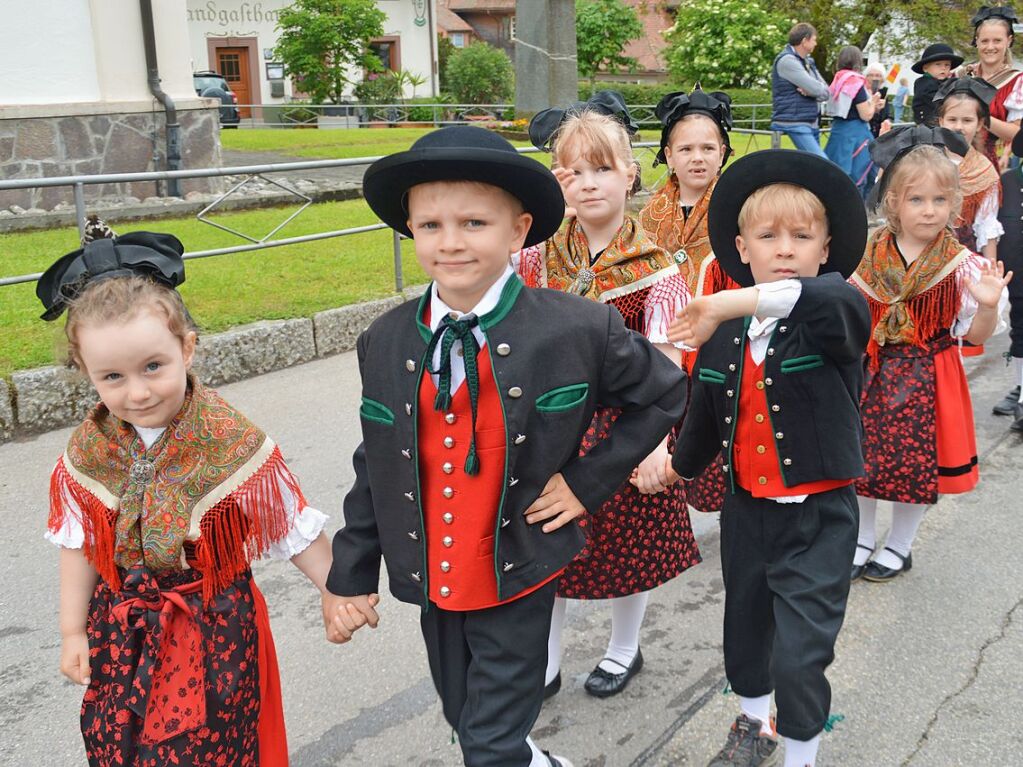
x=927, y=670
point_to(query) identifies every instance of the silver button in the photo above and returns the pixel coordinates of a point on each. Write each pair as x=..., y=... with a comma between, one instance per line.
x=728, y=419
x=448, y=492
x=408, y=408
x=508, y=566
x=453, y=315
x=417, y=577
x=413, y=535
x=512, y=482
x=724, y=443
x=770, y=352
x=736, y=340
x=787, y=462
x=779, y=435
x=411, y=496
x=448, y=541
x=450, y=418
x=503, y=349
x=520, y=438
x=725, y=467
x=449, y=442
x=729, y=393
x=410, y=366
x=448, y=467
x=445, y=591
x=445, y=567
x=448, y=517
x=775, y=408
x=505, y=522
x=407, y=454
x=515, y=392
x=768, y=381
x=731, y=366
x=783, y=328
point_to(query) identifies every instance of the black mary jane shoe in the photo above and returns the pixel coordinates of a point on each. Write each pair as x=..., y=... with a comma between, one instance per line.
x=1008, y=405
x=858, y=570
x=876, y=573
x=552, y=687
x=604, y=684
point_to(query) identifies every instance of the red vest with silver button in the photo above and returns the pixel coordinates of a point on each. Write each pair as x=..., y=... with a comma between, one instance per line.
x=461, y=509
x=755, y=458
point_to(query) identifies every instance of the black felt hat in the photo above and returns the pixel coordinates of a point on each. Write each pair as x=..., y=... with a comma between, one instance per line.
x=847, y=218
x=888, y=148
x=937, y=52
x=464, y=153
x=148, y=254
x=544, y=125
x=975, y=87
x=717, y=105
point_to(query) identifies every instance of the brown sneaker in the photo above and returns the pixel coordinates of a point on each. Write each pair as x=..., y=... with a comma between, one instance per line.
x=746, y=747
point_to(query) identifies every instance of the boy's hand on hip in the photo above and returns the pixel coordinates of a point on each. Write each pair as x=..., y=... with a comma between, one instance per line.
x=74, y=657
x=557, y=504
x=343, y=616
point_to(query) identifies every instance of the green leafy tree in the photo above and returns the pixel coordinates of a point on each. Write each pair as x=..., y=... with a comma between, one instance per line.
x=444, y=50
x=602, y=30
x=480, y=74
x=724, y=43
x=321, y=42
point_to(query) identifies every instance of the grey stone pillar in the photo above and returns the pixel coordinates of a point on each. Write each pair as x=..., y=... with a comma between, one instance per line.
x=546, y=71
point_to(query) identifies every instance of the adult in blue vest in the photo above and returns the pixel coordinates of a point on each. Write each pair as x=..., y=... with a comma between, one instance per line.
x=796, y=90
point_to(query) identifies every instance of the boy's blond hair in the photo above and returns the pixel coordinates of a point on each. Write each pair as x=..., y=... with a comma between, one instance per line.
x=787, y=203
x=920, y=165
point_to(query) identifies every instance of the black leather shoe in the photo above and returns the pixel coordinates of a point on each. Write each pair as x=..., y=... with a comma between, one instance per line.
x=1017, y=425
x=552, y=687
x=880, y=574
x=604, y=684
x=858, y=570
x=1008, y=405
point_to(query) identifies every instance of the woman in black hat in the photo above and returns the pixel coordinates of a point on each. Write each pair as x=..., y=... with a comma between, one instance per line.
x=993, y=37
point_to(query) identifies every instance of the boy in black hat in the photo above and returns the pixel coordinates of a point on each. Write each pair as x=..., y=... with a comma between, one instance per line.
x=475, y=399
x=935, y=66
x=778, y=382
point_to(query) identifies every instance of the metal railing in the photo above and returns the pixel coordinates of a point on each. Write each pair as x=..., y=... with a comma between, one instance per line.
x=78, y=184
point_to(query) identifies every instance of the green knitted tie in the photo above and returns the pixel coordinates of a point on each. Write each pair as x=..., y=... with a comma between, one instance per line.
x=446, y=334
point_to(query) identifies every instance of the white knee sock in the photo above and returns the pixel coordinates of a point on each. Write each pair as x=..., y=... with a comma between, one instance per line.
x=539, y=760
x=801, y=753
x=626, y=620
x=758, y=708
x=868, y=529
x=554, y=639
x=906, y=519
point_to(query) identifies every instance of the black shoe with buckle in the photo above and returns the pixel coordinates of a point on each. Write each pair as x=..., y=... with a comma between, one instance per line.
x=877, y=573
x=858, y=570
x=552, y=687
x=604, y=684
x=1008, y=405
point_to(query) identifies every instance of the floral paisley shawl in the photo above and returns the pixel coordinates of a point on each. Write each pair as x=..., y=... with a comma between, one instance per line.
x=909, y=305
x=976, y=177
x=686, y=238
x=212, y=479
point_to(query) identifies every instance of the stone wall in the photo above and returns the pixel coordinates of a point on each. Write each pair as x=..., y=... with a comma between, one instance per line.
x=89, y=144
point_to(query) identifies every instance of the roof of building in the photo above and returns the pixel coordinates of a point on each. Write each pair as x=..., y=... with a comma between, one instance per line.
x=449, y=21
x=501, y=6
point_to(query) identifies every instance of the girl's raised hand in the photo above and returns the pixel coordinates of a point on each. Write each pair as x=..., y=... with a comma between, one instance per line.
x=987, y=289
x=74, y=657
x=565, y=177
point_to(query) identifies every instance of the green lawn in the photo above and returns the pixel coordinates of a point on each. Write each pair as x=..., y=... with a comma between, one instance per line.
x=280, y=283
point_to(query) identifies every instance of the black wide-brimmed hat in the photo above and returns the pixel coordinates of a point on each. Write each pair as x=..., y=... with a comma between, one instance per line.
x=937, y=52
x=148, y=254
x=888, y=148
x=847, y=218
x=464, y=153
x=545, y=124
x=717, y=105
x=974, y=87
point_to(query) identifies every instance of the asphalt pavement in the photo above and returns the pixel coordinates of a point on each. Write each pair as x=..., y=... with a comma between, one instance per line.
x=927, y=669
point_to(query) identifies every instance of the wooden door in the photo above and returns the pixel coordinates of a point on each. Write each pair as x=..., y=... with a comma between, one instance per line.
x=233, y=64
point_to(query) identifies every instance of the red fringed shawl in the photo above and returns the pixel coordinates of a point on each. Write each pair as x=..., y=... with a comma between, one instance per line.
x=911, y=305
x=976, y=178
x=209, y=494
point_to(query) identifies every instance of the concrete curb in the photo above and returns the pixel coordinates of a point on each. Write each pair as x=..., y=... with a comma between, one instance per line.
x=55, y=397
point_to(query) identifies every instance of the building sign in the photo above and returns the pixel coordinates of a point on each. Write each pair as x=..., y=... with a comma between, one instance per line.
x=244, y=13
x=419, y=6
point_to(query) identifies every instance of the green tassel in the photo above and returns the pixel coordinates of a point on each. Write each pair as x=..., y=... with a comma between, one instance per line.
x=727, y=690
x=472, y=461
x=832, y=721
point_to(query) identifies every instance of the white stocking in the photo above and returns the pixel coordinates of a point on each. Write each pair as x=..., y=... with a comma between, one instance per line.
x=626, y=620
x=868, y=529
x=554, y=639
x=906, y=519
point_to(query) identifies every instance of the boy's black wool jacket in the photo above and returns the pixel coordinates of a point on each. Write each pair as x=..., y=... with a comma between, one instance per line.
x=814, y=376
x=555, y=358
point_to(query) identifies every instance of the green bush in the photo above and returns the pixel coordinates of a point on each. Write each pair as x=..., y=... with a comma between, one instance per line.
x=480, y=74
x=378, y=89
x=422, y=114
